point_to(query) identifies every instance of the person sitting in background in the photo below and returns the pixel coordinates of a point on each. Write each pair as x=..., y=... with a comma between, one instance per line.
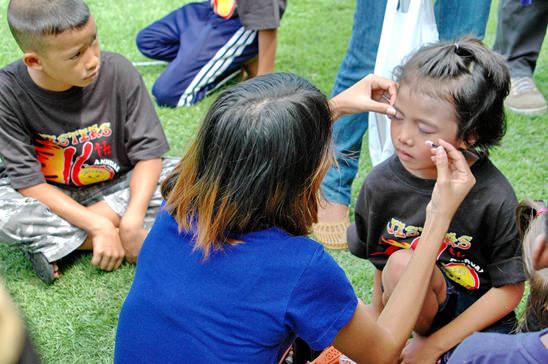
x=208, y=43
x=520, y=33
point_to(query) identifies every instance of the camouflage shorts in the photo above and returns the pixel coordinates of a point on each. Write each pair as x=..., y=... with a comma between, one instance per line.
x=31, y=226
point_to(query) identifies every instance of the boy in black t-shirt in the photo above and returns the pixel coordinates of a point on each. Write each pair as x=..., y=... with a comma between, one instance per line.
x=80, y=140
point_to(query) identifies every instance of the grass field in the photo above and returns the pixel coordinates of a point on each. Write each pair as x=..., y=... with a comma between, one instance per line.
x=74, y=320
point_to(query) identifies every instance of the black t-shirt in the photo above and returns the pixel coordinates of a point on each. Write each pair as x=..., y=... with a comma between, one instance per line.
x=481, y=248
x=80, y=136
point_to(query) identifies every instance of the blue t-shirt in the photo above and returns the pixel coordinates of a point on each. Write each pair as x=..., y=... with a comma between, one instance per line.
x=491, y=348
x=245, y=304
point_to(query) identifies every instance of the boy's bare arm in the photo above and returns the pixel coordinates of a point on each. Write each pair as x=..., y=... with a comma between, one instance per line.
x=144, y=180
x=267, y=51
x=491, y=307
x=108, y=252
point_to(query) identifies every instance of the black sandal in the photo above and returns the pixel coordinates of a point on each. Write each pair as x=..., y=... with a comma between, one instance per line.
x=41, y=266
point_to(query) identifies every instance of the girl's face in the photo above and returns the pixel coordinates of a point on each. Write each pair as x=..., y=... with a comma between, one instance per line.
x=421, y=118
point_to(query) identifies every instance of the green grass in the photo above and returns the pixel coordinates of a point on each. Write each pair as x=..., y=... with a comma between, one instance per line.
x=74, y=320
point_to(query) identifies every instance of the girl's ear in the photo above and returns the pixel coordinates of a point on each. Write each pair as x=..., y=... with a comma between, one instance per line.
x=466, y=143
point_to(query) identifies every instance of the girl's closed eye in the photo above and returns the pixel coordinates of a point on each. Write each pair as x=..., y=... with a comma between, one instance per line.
x=426, y=129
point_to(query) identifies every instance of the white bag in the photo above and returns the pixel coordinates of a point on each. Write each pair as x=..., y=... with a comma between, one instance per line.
x=408, y=24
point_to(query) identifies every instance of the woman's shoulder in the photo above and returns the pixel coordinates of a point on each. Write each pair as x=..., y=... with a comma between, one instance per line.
x=292, y=253
x=279, y=240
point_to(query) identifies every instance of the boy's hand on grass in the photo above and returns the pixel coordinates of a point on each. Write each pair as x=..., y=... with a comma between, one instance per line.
x=108, y=252
x=132, y=234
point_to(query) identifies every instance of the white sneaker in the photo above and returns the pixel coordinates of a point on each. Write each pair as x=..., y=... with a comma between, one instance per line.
x=525, y=98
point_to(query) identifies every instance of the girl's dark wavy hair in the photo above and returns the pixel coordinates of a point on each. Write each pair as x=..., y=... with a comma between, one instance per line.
x=256, y=163
x=531, y=225
x=469, y=76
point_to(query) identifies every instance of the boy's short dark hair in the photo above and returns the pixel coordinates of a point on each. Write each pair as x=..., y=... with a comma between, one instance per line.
x=469, y=76
x=30, y=20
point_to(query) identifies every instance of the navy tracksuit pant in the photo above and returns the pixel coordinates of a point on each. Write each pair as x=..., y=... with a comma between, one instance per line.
x=203, y=51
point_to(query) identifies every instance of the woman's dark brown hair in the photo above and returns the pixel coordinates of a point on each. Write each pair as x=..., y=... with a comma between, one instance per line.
x=256, y=163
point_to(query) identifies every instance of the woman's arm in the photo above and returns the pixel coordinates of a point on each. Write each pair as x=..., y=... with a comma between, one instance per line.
x=375, y=308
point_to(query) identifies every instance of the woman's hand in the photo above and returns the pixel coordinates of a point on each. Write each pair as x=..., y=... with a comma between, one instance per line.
x=454, y=180
x=371, y=93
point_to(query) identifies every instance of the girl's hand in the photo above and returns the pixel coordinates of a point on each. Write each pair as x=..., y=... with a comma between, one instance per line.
x=454, y=180
x=365, y=95
x=419, y=350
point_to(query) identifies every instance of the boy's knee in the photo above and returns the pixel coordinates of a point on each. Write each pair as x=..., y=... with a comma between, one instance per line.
x=164, y=95
x=395, y=267
x=146, y=43
x=173, y=83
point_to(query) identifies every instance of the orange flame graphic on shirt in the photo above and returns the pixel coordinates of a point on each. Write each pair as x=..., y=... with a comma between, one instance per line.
x=52, y=158
x=63, y=165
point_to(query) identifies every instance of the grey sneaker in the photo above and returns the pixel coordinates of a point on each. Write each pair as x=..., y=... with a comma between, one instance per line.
x=525, y=98
x=41, y=266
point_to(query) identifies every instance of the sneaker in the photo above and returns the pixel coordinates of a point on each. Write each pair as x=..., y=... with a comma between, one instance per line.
x=525, y=98
x=41, y=266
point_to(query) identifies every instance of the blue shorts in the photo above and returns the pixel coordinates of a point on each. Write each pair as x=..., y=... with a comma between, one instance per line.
x=457, y=300
x=203, y=50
